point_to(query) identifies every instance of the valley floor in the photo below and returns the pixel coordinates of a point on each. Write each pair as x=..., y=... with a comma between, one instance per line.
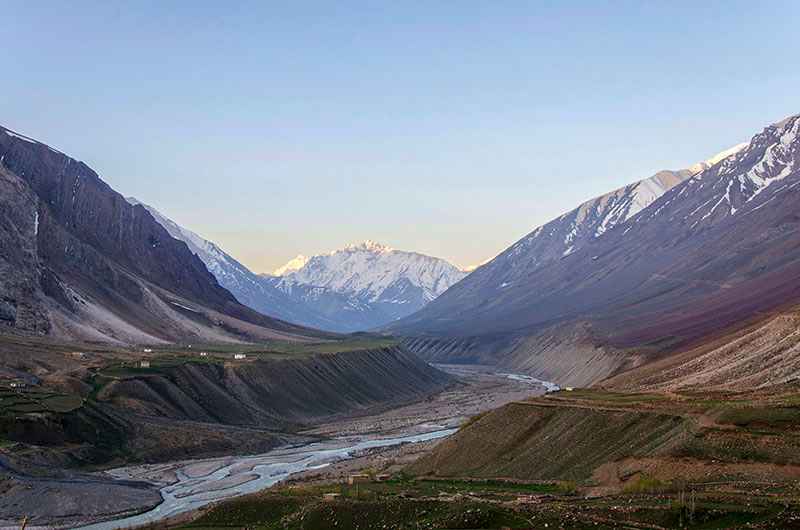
x=477, y=390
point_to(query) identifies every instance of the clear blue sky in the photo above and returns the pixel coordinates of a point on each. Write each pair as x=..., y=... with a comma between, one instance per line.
x=451, y=128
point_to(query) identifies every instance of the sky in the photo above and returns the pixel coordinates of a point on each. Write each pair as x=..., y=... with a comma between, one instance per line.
x=451, y=128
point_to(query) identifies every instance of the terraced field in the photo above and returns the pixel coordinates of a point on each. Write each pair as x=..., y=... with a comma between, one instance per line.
x=276, y=348
x=32, y=401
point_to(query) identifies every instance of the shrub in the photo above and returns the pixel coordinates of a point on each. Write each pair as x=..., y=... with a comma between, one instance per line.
x=646, y=484
x=567, y=488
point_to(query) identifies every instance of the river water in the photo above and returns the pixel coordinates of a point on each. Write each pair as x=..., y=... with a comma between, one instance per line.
x=202, y=482
x=469, y=369
x=548, y=386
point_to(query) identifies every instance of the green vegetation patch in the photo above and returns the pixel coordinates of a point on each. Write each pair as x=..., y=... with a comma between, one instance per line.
x=404, y=505
x=311, y=512
x=436, y=486
x=742, y=446
x=428, y=487
x=621, y=398
x=276, y=348
x=647, y=484
x=37, y=400
x=757, y=417
x=259, y=511
x=158, y=366
x=409, y=514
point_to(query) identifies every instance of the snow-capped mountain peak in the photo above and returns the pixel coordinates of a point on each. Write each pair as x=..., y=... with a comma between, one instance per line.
x=294, y=264
x=375, y=273
x=367, y=246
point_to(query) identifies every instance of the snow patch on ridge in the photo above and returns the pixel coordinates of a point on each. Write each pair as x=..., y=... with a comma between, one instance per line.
x=294, y=264
x=777, y=155
x=21, y=137
x=722, y=155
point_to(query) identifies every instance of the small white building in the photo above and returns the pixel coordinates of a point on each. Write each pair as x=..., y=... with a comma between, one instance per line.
x=148, y=350
x=239, y=356
x=144, y=364
x=203, y=354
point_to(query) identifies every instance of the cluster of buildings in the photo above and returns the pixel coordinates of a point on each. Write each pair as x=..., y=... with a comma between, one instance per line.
x=146, y=364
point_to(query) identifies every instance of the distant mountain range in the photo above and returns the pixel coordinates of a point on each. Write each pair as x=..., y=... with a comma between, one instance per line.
x=358, y=288
x=78, y=262
x=366, y=285
x=618, y=281
x=639, y=272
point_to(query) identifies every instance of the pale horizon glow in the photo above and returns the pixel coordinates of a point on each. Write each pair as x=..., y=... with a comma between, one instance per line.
x=451, y=130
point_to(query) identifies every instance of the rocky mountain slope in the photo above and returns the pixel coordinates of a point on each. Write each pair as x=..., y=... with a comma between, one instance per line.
x=79, y=262
x=366, y=285
x=711, y=252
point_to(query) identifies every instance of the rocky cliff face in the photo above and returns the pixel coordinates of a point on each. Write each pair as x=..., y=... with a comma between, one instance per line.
x=82, y=262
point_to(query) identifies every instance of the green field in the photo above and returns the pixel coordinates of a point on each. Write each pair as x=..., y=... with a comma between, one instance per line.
x=272, y=349
x=162, y=359
x=34, y=400
x=397, y=504
x=404, y=504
